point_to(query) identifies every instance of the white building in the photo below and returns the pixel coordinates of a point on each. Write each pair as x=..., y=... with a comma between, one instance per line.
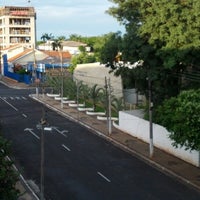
x=17, y=26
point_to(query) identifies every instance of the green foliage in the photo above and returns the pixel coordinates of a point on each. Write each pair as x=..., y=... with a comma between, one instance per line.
x=8, y=177
x=180, y=115
x=69, y=88
x=111, y=47
x=166, y=38
x=103, y=48
x=96, y=94
x=117, y=104
x=82, y=49
x=45, y=37
x=56, y=44
x=54, y=82
x=82, y=58
x=83, y=91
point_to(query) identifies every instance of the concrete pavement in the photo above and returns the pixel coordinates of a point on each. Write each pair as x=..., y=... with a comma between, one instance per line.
x=169, y=164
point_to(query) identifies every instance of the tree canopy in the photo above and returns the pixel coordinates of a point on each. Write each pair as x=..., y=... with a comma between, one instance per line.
x=166, y=38
x=165, y=35
x=180, y=115
x=8, y=177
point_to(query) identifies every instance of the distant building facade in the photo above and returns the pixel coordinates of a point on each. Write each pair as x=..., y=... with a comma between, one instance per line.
x=17, y=26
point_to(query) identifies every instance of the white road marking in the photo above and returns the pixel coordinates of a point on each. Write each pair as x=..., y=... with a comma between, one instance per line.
x=61, y=132
x=30, y=130
x=24, y=98
x=9, y=104
x=104, y=177
x=68, y=149
x=35, y=135
x=24, y=115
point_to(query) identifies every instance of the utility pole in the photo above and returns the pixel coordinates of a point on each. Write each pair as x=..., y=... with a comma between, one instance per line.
x=108, y=102
x=35, y=73
x=42, y=165
x=77, y=96
x=61, y=59
x=1, y=70
x=151, y=150
x=43, y=123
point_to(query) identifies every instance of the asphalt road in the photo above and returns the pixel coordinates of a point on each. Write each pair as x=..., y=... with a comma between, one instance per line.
x=78, y=164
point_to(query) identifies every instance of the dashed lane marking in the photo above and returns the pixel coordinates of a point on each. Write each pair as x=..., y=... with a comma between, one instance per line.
x=65, y=147
x=104, y=177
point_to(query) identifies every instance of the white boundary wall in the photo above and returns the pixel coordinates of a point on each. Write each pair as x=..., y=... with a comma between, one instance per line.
x=139, y=128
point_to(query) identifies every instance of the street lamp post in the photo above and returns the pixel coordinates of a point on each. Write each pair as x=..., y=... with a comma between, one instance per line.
x=42, y=127
x=108, y=104
x=42, y=164
x=151, y=150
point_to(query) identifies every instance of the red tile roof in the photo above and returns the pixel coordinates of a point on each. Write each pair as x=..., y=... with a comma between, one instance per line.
x=20, y=55
x=65, y=54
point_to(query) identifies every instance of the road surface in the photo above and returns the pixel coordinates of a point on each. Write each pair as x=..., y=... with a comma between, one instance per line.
x=78, y=164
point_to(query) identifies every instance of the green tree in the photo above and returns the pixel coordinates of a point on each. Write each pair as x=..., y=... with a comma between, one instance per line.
x=54, y=82
x=117, y=104
x=75, y=37
x=111, y=47
x=166, y=38
x=81, y=59
x=56, y=44
x=83, y=91
x=8, y=177
x=45, y=37
x=180, y=115
x=70, y=88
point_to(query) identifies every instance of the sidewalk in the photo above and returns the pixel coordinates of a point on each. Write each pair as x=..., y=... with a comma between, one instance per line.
x=173, y=166
x=13, y=83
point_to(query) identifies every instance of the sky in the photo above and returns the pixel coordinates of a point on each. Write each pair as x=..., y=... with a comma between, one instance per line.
x=67, y=17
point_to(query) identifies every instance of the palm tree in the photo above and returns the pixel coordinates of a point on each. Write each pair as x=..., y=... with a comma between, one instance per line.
x=57, y=43
x=117, y=104
x=95, y=94
x=54, y=83
x=45, y=37
x=83, y=91
x=70, y=89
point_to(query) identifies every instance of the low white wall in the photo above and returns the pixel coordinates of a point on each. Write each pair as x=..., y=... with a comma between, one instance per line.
x=139, y=128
